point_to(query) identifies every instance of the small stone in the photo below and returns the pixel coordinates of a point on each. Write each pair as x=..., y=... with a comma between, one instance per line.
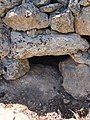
x=4, y=40
x=64, y=2
x=82, y=22
x=15, y=68
x=26, y=17
x=62, y=22
x=38, y=2
x=50, y=8
x=76, y=78
x=5, y=5
x=84, y=2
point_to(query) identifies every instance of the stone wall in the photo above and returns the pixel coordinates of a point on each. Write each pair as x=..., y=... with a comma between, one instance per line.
x=31, y=28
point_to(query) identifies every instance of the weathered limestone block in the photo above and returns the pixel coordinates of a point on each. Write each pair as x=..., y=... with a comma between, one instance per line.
x=5, y=5
x=34, y=89
x=82, y=22
x=15, y=68
x=76, y=78
x=62, y=22
x=24, y=46
x=4, y=40
x=51, y=7
x=26, y=17
x=84, y=2
x=38, y=2
x=82, y=57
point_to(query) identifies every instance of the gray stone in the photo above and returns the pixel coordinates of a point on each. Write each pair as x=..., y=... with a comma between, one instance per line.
x=5, y=5
x=82, y=22
x=15, y=68
x=84, y=2
x=37, y=2
x=76, y=78
x=62, y=22
x=50, y=8
x=26, y=17
x=64, y=2
x=74, y=7
x=4, y=40
x=34, y=89
x=24, y=46
x=82, y=57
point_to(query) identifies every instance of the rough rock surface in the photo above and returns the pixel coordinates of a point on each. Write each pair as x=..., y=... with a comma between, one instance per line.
x=82, y=22
x=50, y=8
x=4, y=40
x=64, y=2
x=76, y=78
x=82, y=57
x=38, y=2
x=15, y=68
x=24, y=46
x=62, y=22
x=84, y=2
x=34, y=89
x=5, y=5
x=30, y=16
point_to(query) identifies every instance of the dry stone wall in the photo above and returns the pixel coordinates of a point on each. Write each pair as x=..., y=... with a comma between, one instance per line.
x=31, y=28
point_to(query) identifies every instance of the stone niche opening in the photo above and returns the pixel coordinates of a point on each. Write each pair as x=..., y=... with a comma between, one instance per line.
x=41, y=89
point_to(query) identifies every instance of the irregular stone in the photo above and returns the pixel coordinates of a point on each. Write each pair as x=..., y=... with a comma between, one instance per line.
x=34, y=89
x=24, y=46
x=26, y=17
x=36, y=32
x=50, y=8
x=15, y=68
x=38, y=2
x=5, y=5
x=84, y=2
x=62, y=22
x=1, y=69
x=82, y=57
x=76, y=78
x=64, y=2
x=74, y=7
x=82, y=22
x=4, y=40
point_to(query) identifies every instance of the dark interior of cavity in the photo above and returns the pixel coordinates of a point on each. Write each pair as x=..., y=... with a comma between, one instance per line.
x=53, y=105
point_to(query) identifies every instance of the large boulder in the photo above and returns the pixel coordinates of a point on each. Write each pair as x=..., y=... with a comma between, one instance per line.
x=25, y=46
x=26, y=17
x=5, y=5
x=76, y=78
x=4, y=40
x=82, y=22
x=62, y=22
x=34, y=89
x=15, y=68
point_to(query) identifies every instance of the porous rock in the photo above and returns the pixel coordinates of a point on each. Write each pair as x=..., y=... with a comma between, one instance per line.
x=38, y=2
x=84, y=2
x=34, y=89
x=26, y=17
x=4, y=40
x=50, y=8
x=62, y=22
x=82, y=22
x=15, y=68
x=25, y=46
x=76, y=78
